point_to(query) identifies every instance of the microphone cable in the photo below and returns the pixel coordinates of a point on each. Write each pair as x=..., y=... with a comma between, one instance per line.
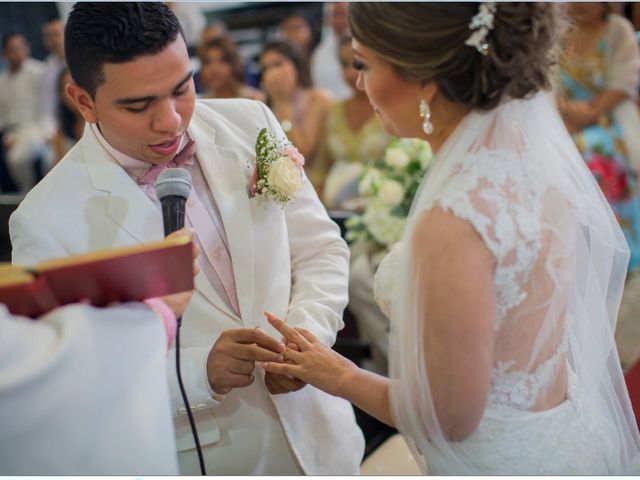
x=172, y=187
x=183, y=392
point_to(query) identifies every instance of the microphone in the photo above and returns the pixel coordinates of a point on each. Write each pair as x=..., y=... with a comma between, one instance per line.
x=172, y=188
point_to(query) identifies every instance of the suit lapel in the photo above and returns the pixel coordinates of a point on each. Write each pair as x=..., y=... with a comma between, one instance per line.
x=127, y=205
x=224, y=174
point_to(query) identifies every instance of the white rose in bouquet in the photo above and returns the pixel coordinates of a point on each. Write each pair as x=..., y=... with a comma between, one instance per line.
x=384, y=227
x=425, y=155
x=396, y=157
x=388, y=186
x=391, y=193
x=284, y=176
x=370, y=182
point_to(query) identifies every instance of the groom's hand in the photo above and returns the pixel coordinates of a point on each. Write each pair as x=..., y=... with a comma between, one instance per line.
x=234, y=355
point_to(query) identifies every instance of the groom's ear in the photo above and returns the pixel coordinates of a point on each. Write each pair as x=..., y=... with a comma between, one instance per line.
x=83, y=101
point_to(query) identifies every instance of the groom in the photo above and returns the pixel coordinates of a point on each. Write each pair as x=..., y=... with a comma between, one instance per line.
x=133, y=85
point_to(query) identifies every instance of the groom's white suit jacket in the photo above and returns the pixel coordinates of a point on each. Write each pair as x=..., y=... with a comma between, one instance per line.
x=289, y=261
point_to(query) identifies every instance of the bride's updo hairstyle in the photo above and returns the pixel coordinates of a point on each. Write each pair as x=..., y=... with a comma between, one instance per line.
x=426, y=41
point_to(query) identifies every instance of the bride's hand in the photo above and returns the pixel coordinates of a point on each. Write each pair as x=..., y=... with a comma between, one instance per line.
x=277, y=384
x=314, y=363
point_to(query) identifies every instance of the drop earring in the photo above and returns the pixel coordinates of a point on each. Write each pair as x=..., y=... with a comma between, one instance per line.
x=425, y=115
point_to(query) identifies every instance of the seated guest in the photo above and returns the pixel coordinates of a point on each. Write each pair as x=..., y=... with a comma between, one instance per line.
x=70, y=122
x=296, y=29
x=23, y=131
x=222, y=72
x=600, y=75
x=353, y=135
x=300, y=108
x=53, y=40
x=325, y=68
x=211, y=31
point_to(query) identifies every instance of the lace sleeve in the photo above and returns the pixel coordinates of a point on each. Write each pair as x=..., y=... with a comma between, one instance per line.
x=493, y=193
x=385, y=278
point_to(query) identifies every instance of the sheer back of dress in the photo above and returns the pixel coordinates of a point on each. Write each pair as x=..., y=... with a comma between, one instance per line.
x=560, y=262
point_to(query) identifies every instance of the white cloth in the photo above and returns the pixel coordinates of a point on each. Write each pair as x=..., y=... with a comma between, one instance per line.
x=83, y=391
x=516, y=177
x=290, y=261
x=326, y=71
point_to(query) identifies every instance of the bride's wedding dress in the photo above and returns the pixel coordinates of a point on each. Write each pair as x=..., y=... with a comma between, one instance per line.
x=514, y=174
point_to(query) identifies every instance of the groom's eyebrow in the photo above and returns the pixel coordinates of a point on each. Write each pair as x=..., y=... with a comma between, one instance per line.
x=149, y=98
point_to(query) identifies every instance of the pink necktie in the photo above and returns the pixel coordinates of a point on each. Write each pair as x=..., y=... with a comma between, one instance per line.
x=184, y=157
x=207, y=233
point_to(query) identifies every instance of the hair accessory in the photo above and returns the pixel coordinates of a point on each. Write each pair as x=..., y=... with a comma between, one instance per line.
x=425, y=115
x=481, y=24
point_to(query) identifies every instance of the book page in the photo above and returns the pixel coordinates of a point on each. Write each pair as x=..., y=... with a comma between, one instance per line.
x=111, y=253
x=14, y=275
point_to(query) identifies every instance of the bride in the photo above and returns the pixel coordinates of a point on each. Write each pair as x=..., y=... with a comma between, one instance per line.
x=506, y=287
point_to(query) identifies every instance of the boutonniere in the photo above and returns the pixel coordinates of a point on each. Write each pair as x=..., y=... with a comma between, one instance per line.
x=278, y=172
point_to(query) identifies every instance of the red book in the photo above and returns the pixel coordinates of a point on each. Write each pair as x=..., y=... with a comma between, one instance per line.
x=103, y=277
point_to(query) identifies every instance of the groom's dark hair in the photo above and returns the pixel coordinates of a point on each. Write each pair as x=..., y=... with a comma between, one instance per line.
x=118, y=32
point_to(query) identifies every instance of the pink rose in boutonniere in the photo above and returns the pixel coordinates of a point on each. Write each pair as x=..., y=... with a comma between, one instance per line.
x=278, y=172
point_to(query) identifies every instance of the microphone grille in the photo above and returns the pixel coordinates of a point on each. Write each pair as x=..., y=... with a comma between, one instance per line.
x=173, y=181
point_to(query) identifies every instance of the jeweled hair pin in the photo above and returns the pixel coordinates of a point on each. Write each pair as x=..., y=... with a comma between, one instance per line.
x=481, y=24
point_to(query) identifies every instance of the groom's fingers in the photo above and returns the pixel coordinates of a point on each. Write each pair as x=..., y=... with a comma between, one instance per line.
x=241, y=367
x=253, y=335
x=235, y=380
x=289, y=333
x=254, y=353
x=277, y=384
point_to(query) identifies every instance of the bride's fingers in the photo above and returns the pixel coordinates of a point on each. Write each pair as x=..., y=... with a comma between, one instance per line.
x=306, y=334
x=292, y=355
x=289, y=333
x=282, y=368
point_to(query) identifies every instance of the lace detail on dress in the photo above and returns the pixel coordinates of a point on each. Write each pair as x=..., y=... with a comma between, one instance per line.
x=385, y=278
x=520, y=389
x=493, y=191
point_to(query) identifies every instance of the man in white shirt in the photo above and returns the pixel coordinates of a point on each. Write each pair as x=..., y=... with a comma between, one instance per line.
x=132, y=83
x=326, y=71
x=24, y=133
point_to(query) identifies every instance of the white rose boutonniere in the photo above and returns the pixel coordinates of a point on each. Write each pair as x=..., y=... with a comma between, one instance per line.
x=284, y=176
x=278, y=172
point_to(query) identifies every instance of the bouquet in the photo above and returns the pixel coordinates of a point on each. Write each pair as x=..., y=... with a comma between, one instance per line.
x=388, y=186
